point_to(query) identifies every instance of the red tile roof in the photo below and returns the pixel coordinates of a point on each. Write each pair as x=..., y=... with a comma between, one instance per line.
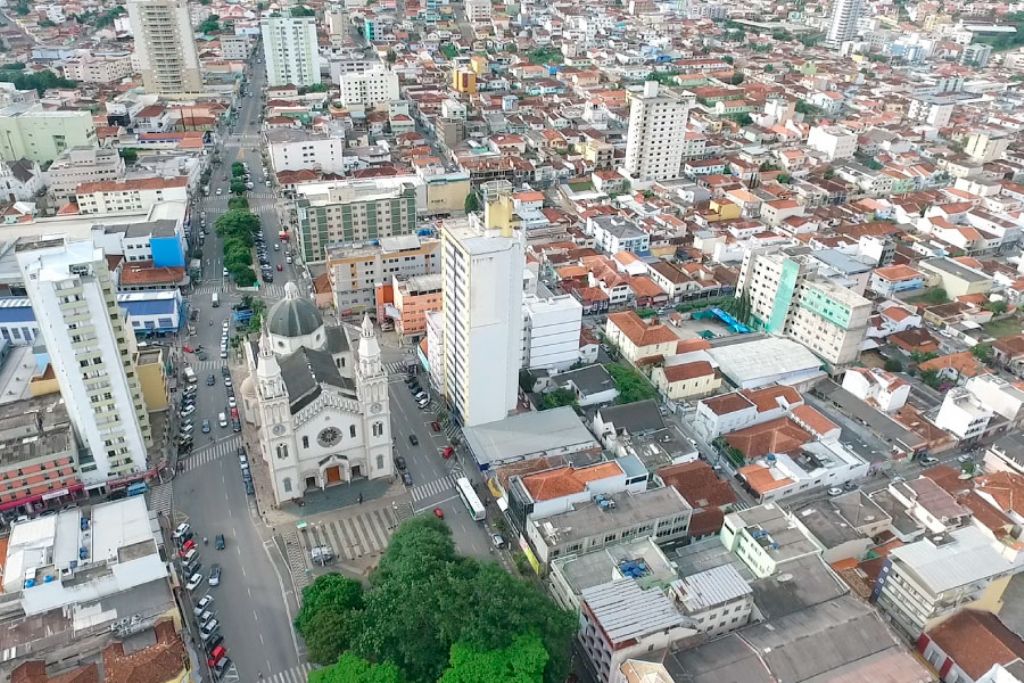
x=697, y=482
x=976, y=641
x=687, y=371
x=132, y=185
x=781, y=435
x=163, y=661
x=142, y=273
x=566, y=481
x=639, y=332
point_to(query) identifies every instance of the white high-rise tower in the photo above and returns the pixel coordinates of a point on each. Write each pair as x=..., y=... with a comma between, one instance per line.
x=291, y=50
x=843, y=25
x=165, y=46
x=482, y=281
x=92, y=350
x=657, y=133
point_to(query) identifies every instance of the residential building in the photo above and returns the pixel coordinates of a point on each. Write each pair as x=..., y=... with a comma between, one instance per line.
x=478, y=11
x=27, y=131
x=92, y=351
x=80, y=165
x=38, y=454
x=765, y=539
x=20, y=181
x=973, y=646
x=613, y=234
x=685, y=381
x=924, y=582
x=621, y=620
x=551, y=333
x=963, y=415
x=592, y=385
x=787, y=297
x=235, y=48
x=1003, y=398
x=414, y=298
x=889, y=281
x=104, y=68
x=130, y=196
x=356, y=272
x=352, y=211
x=883, y=390
x=656, y=133
x=151, y=366
x=165, y=47
x=1006, y=454
x=296, y=150
x=984, y=146
x=637, y=338
x=835, y=142
x=374, y=88
x=718, y=600
x=842, y=25
x=736, y=410
x=483, y=324
x=931, y=110
x=290, y=50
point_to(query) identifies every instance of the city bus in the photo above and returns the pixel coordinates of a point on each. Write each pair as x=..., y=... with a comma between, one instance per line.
x=469, y=497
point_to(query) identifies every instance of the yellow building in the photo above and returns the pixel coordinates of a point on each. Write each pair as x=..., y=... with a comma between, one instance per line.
x=149, y=364
x=447, y=193
x=479, y=64
x=722, y=210
x=686, y=380
x=464, y=81
x=45, y=383
x=638, y=339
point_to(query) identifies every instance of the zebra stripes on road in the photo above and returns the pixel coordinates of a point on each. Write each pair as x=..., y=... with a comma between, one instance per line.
x=159, y=498
x=204, y=455
x=208, y=365
x=271, y=291
x=432, y=488
x=296, y=674
x=354, y=536
x=396, y=368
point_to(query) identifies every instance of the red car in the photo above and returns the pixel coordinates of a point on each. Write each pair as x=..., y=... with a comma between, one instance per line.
x=189, y=544
x=216, y=655
x=435, y=425
x=187, y=349
x=447, y=452
x=439, y=513
x=279, y=267
x=234, y=413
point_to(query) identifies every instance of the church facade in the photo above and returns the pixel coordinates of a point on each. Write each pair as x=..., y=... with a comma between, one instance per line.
x=319, y=398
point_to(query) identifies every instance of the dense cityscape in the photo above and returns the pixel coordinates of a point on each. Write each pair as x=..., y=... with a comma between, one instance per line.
x=423, y=341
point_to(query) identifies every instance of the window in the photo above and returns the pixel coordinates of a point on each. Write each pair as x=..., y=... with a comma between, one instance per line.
x=286, y=484
x=380, y=462
x=305, y=442
x=352, y=431
x=378, y=429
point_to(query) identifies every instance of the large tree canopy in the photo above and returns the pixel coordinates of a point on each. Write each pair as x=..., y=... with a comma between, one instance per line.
x=436, y=615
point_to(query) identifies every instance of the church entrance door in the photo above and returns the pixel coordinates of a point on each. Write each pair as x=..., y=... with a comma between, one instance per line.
x=333, y=475
x=310, y=482
x=355, y=471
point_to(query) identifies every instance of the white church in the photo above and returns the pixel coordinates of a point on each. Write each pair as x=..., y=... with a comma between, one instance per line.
x=319, y=396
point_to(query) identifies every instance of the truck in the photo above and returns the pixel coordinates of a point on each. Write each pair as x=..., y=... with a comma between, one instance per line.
x=243, y=316
x=190, y=375
x=216, y=300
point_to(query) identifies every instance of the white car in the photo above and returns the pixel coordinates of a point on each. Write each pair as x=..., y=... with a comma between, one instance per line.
x=194, y=581
x=181, y=530
x=203, y=605
x=220, y=191
x=232, y=403
x=835, y=491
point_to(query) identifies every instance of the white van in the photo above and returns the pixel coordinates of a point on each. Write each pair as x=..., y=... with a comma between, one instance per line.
x=222, y=420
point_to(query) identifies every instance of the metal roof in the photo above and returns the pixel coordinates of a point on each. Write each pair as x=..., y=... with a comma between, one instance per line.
x=957, y=559
x=625, y=611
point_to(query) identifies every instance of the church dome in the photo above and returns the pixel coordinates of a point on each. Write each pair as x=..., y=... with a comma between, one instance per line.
x=293, y=316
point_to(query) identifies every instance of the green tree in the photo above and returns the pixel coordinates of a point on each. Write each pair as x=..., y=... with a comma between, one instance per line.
x=982, y=352
x=557, y=398
x=737, y=78
x=330, y=634
x=237, y=186
x=238, y=203
x=893, y=365
x=931, y=378
x=245, y=277
x=237, y=169
x=22, y=8
x=13, y=66
x=632, y=386
x=209, y=25
x=46, y=23
x=236, y=223
x=472, y=203
x=40, y=81
x=997, y=307
x=935, y=296
x=353, y=669
x=330, y=592
x=316, y=87
x=129, y=154
x=302, y=12
x=521, y=662
x=392, y=56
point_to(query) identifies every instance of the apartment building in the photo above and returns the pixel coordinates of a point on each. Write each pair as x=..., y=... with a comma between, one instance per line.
x=40, y=459
x=107, y=67
x=478, y=11
x=290, y=50
x=80, y=165
x=130, y=196
x=963, y=415
x=656, y=135
x=835, y=142
x=788, y=297
x=27, y=131
x=165, y=47
x=92, y=351
x=482, y=274
x=372, y=88
x=415, y=297
x=984, y=146
x=843, y=22
x=355, y=272
x=551, y=332
x=353, y=211
x=296, y=150
x=924, y=582
x=235, y=47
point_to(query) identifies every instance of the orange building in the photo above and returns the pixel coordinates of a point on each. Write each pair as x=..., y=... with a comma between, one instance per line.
x=464, y=81
x=414, y=298
x=38, y=456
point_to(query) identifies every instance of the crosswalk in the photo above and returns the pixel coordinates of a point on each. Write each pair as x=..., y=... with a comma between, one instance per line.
x=207, y=289
x=272, y=292
x=296, y=554
x=396, y=367
x=205, y=455
x=355, y=536
x=159, y=498
x=210, y=365
x=296, y=674
x=432, y=488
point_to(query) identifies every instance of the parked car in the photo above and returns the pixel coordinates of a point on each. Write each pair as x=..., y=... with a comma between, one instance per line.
x=406, y=478
x=218, y=653
x=400, y=462
x=203, y=605
x=439, y=513
x=181, y=530
x=212, y=643
x=221, y=667
x=194, y=581
x=206, y=426
x=498, y=540
x=435, y=425
x=215, y=575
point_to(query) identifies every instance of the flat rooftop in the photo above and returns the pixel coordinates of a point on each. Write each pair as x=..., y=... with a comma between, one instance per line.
x=766, y=358
x=588, y=519
x=528, y=434
x=955, y=269
x=786, y=541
